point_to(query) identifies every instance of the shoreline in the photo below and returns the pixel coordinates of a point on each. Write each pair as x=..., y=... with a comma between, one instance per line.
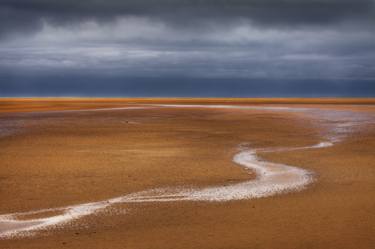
x=269, y=180
x=15, y=105
x=129, y=151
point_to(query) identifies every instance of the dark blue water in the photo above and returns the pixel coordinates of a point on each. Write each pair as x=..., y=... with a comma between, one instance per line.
x=116, y=86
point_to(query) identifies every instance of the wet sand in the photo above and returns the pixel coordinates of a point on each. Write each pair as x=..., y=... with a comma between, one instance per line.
x=56, y=159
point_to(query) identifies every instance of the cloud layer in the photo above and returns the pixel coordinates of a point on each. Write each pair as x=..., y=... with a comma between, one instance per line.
x=284, y=40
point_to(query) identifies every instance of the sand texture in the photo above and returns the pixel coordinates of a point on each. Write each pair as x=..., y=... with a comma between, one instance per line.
x=187, y=173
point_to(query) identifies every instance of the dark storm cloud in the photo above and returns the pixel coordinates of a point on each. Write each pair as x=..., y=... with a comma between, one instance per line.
x=27, y=15
x=182, y=47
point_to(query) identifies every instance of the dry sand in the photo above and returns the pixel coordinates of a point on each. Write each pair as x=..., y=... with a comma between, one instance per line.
x=54, y=159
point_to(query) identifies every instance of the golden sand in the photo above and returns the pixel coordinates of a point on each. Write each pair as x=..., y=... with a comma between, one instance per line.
x=60, y=159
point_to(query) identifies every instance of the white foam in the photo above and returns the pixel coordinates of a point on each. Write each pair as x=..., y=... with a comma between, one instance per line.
x=241, y=107
x=271, y=178
x=11, y=226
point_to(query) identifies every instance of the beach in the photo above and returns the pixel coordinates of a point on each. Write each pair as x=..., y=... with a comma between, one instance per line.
x=182, y=173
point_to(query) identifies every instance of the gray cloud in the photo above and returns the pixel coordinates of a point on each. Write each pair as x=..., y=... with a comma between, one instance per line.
x=138, y=46
x=27, y=15
x=206, y=39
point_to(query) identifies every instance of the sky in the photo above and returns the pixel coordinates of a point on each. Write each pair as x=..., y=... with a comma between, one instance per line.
x=187, y=48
